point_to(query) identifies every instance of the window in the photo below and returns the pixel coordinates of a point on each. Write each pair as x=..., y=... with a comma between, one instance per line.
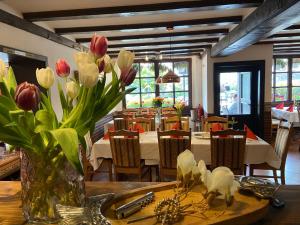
x=286, y=79
x=146, y=89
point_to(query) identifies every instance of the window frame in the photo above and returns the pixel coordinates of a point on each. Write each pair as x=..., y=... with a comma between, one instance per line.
x=289, y=73
x=156, y=73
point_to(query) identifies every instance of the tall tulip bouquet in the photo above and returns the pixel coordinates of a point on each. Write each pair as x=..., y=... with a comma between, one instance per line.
x=49, y=144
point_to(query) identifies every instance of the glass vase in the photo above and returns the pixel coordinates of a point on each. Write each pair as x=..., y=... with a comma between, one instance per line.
x=48, y=180
x=158, y=118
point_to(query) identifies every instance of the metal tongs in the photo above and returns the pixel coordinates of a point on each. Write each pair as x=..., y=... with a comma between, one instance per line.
x=134, y=206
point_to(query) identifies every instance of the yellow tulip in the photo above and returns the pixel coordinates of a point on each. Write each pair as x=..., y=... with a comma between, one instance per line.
x=3, y=69
x=72, y=89
x=125, y=60
x=45, y=77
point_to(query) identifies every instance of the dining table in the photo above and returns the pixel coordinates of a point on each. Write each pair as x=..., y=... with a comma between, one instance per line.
x=11, y=211
x=257, y=151
x=291, y=117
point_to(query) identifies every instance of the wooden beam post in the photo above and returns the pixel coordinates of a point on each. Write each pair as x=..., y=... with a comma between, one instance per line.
x=269, y=18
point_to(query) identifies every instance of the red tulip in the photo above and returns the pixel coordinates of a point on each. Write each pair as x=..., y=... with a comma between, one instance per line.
x=27, y=96
x=98, y=45
x=62, y=68
x=101, y=65
x=128, y=76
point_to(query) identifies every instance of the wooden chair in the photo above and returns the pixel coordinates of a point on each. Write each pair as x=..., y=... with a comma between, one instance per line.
x=228, y=149
x=87, y=166
x=126, y=154
x=120, y=122
x=169, y=122
x=169, y=148
x=282, y=143
x=145, y=123
x=209, y=121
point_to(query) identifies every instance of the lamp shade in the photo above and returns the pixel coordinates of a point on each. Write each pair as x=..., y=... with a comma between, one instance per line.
x=170, y=77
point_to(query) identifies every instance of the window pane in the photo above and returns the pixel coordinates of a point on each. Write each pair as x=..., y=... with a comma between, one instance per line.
x=296, y=79
x=165, y=87
x=168, y=99
x=132, y=100
x=147, y=70
x=147, y=99
x=281, y=65
x=164, y=67
x=135, y=84
x=296, y=93
x=182, y=96
x=281, y=79
x=183, y=85
x=281, y=94
x=235, y=94
x=147, y=85
x=181, y=68
x=296, y=64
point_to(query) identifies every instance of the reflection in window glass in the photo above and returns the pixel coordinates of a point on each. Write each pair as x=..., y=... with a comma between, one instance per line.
x=281, y=79
x=280, y=94
x=147, y=70
x=281, y=65
x=296, y=64
x=235, y=93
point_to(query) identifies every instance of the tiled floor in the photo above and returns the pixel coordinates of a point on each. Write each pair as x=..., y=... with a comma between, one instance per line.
x=292, y=168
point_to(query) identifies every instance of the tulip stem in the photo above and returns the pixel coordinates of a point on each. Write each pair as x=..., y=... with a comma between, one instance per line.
x=49, y=95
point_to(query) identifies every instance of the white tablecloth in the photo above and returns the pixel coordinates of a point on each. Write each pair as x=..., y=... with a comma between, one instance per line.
x=286, y=115
x=257, y=151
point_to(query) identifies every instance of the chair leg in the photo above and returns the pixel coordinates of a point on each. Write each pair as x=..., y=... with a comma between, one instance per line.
x=275, y=176
x=110, y=169
x=282, y=176
x=251, y=170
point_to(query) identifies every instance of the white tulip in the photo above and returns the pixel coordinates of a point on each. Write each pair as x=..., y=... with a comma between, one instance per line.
x=83, y=58
x=205, y=173
x=72, y=89
x=108, y=63
x=196, y=174
x=45, y=77
x=3, y=68
x=185, y=164
x=125, y=59
x=222, y=181
x=88, y=74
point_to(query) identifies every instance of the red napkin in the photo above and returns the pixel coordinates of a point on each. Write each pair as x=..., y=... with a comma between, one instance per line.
x=250, y=133
x=280, y=105
x=217, y=127
x=106, y=136
x=139, y=128
x=175, y=126
x=291, y=108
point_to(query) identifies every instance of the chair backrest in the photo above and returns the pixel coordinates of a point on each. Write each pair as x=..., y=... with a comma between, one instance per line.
x=121, y=122
x=170, y=122
x=145, y=123
x=283, y=141
x=125, y=149
x=171, y=144
x=228, y=149
x=209, y=121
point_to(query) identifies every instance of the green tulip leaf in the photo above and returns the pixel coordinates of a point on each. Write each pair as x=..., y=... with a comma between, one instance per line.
x=44, y=119
x=68, y=140
x=10, y=81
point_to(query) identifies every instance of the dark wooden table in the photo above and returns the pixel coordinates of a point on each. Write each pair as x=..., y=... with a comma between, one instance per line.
x=11, y=212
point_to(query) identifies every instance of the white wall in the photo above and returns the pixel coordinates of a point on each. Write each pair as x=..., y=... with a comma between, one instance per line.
x=255, y=52
x=196, y=81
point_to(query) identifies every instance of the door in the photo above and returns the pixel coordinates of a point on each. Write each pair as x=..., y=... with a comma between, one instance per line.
x=239, y=93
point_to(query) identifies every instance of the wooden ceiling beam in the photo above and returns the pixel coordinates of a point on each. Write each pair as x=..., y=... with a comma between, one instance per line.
x=204, y=21
x=279, y=42
x=189, y=41
x=293, y=27
x=144, y=9
x=163, y=53
x=286, y=46
x=165, y=49
x=32, y=28
x=285, y=35
x=269, y=18
x=161, y=35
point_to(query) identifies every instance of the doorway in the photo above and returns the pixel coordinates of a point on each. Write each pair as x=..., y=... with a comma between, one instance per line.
x=239, y=93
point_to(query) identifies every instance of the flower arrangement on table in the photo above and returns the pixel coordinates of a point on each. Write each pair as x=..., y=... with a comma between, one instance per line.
x=51, y=170
x=209, y=185
x=157, y=102
x=179, y=107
